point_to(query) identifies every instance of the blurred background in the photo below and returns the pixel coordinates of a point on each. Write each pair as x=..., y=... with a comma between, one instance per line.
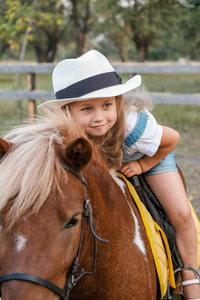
x=125, y=31
x=121, y=29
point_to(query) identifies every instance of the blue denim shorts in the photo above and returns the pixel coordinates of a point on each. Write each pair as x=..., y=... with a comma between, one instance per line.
x=167, y=164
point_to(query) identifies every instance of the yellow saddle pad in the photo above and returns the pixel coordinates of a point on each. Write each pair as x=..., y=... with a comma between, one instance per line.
x=158, y=241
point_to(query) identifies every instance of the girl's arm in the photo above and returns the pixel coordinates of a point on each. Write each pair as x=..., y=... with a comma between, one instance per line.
x=169, y=140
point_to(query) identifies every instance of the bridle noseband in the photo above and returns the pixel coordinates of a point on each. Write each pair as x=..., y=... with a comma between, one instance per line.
x=74, y=274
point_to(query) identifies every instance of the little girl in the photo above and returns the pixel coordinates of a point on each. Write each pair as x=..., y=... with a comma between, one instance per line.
x=130, y=138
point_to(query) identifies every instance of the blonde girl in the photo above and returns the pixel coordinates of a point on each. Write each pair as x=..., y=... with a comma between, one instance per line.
x=116, y=118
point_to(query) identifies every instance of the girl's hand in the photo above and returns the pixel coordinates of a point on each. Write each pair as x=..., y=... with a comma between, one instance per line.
x=131, y=168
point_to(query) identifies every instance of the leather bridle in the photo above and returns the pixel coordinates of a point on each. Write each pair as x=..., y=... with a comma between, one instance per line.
x=74, y=274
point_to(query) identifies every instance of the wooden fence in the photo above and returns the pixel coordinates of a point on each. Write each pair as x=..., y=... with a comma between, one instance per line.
x=32, y=69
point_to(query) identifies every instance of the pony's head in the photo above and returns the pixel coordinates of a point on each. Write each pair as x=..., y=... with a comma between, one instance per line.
x=30, y=168
x=39, y=209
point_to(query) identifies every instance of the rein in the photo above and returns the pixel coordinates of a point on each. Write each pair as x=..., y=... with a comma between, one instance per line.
x=74, y=275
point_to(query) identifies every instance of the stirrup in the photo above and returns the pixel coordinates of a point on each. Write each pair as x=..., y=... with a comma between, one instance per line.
x=190, y=281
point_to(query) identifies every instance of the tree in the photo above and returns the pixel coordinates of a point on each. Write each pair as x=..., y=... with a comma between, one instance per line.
x=148, y=20
x=142, y=22
x=122, y=27
x=4, y=45
x=11, y=24
x=82, y=21
x=53, y=22
x=111, y=27
x=190, y=26
x=48, y=26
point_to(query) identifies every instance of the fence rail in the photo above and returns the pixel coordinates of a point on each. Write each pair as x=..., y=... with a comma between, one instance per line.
x=160, y=68
x=32, y=94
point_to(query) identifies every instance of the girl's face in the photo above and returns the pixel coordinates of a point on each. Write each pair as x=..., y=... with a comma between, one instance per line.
x=96, y=116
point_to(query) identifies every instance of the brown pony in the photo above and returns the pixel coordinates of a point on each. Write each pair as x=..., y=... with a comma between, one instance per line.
x=50, y=230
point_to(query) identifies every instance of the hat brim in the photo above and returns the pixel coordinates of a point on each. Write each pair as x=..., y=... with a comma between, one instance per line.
x=111, y=91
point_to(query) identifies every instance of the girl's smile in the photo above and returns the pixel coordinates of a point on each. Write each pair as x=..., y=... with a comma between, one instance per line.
x=96, y=116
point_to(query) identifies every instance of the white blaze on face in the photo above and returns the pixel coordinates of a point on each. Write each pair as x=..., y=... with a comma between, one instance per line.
x=20, y=242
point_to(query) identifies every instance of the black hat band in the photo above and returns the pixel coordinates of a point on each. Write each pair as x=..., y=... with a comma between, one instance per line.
x=89, y=85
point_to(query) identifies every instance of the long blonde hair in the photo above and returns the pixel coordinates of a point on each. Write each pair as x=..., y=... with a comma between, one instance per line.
x=111, y=146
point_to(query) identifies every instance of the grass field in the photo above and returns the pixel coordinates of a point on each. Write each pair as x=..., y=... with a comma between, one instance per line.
x=183, y=118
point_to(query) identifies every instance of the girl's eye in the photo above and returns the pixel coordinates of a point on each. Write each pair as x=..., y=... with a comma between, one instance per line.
x=107, y=105
x=87, y=109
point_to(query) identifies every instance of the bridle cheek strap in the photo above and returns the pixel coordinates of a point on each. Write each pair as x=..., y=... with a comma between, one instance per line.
x=74, y=275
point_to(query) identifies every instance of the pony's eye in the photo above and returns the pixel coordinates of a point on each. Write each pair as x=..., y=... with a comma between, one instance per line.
x=73, y=222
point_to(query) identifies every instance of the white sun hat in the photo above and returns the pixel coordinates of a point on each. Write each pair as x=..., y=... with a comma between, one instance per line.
x=86, y=77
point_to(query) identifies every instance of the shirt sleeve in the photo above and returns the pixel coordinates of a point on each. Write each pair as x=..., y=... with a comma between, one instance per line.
x=150, y=140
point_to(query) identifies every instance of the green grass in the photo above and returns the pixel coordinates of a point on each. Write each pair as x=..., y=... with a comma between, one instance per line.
x=7, y=82
x=12, y=113
x=181, y=117
x=174, y=83
x=186, y=120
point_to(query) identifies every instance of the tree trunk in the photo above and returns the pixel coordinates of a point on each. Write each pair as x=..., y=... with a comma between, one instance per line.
x=81, y=31
x=81, y=44
x=47, y=53
x=120, y=48
x=142, y=47
x=40, y=54
x=51, y=49
x=142, y=50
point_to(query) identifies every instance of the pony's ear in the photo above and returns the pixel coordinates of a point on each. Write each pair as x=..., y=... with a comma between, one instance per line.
x=77, y=154
x=4, y=147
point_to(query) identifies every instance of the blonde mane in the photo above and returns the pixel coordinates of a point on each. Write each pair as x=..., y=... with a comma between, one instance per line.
x=31, y=171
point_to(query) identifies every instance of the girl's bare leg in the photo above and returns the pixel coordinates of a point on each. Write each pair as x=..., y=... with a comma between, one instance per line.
x=170, y=191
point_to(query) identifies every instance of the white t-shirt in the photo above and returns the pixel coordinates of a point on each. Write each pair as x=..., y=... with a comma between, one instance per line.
x=149, y=141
